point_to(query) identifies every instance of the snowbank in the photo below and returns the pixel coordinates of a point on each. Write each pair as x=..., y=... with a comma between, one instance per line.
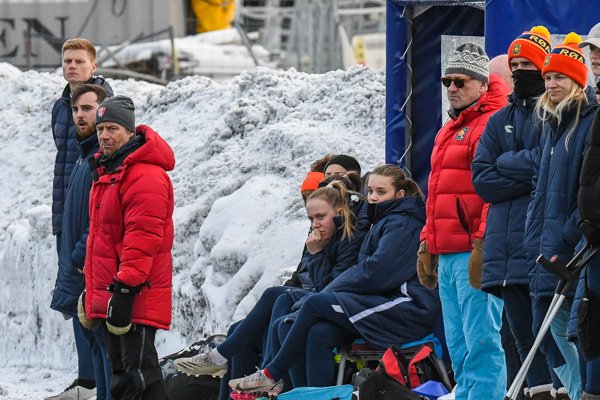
x=242, y=149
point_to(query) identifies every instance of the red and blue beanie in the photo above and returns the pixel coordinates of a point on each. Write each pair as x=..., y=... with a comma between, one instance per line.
x=117, y=109
x=533, y=45
x=567, y=59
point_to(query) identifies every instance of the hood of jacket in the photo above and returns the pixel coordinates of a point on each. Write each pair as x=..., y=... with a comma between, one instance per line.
x=154, y=150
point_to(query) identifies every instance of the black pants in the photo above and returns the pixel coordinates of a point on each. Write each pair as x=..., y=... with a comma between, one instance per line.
x=136, y=374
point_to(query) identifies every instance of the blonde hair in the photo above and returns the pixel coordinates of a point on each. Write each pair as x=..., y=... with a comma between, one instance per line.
x=337, y=195
x=80, y=44
x=399, y=180
x=546, y=109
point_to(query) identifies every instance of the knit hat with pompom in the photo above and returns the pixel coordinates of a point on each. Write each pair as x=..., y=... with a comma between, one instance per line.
x=567, y=59
x=533, y=45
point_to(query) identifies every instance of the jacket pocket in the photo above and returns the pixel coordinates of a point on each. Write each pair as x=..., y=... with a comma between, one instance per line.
x=463, y=216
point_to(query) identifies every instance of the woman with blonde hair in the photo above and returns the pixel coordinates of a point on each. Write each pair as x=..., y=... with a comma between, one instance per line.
x=566, y=110
x=379, y=298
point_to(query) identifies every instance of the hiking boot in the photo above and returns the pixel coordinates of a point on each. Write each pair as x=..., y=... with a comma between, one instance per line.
x=200, y=364
x=258, y=382
x=541, y=392
x=75, y=392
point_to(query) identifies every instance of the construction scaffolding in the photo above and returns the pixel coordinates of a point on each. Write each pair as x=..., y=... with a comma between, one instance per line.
x=311, y=35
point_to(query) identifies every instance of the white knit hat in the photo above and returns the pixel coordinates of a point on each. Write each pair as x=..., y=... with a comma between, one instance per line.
x=471, y=60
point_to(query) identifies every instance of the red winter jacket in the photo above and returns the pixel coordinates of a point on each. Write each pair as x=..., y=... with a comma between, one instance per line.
x=131, y=232
x=455, y=213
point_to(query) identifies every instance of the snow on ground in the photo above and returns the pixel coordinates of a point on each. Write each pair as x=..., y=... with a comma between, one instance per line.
x=242, y=148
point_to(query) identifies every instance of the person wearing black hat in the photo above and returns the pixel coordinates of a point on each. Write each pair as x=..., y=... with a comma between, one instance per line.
x=128, y=264
x=340, y=165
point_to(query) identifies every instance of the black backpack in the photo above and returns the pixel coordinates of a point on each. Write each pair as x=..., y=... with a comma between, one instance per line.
x=402, y=370
x=184, y=387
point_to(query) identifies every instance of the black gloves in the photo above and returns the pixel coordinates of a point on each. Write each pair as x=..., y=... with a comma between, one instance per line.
x=118, y=314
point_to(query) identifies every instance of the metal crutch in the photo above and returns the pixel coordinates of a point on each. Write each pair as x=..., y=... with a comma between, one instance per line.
x=567, y=273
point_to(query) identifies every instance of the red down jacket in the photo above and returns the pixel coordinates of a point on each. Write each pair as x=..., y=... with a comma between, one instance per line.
x=131, y=232
x=455, y=213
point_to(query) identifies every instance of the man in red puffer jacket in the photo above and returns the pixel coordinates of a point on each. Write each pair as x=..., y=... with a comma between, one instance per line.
x=128, y=268
x=455, y=226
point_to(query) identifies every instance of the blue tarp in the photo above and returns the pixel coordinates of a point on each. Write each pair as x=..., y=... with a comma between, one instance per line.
x=504, y=20
x=428, y=28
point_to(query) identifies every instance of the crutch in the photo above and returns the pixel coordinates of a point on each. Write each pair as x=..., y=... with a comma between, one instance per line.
x=567, y=273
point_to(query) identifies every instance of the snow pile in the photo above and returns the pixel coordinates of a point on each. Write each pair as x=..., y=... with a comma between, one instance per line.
x=242, y=148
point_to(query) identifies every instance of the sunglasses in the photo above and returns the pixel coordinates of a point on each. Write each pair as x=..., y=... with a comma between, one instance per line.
x=458, y=82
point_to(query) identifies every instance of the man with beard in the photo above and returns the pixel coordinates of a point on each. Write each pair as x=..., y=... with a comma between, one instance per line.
x=71, y=258
x=502, y=176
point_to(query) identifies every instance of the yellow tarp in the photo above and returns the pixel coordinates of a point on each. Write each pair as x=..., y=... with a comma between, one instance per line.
x=213, y=15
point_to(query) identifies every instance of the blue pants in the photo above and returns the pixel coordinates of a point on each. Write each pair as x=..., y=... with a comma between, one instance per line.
x=517, y=306
x=240, y=364
x=561, y=355
x=592, y=374
x=281, y=308
x=92, y=357
x=278, y=331
x=317, y=329
x=246, y=339
x=591, y=369
x=252, y=330
x=472, y=320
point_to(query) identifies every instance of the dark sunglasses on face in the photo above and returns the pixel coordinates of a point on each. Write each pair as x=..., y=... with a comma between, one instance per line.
x=458, y=82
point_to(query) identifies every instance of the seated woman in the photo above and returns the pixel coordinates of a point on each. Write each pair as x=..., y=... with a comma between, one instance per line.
x=379, y=298
x=332, y=247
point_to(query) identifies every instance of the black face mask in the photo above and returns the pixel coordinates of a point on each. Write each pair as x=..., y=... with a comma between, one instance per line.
x=528, y=83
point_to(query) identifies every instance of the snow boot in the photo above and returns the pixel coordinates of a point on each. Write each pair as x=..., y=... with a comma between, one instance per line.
x=560, y=394
x=541, y=392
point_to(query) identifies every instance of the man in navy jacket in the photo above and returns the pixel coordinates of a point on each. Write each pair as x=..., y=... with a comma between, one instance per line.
x=503, y=169
x=79, y=65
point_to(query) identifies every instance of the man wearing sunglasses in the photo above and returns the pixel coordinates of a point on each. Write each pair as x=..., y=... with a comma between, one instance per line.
x=455, y=225
x=502, y=176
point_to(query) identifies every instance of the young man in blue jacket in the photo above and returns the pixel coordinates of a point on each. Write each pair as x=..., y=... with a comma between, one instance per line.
x=502, y=175
x=78, y=65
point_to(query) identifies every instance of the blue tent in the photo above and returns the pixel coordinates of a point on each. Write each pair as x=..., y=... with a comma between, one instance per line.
x=414, y=30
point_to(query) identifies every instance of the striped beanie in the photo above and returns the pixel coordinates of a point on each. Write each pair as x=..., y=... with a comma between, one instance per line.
x=567, y=59
x=471, y=60
x=533, y=45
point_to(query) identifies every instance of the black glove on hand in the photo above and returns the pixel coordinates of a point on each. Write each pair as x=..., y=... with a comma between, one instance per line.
x=118, y=314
